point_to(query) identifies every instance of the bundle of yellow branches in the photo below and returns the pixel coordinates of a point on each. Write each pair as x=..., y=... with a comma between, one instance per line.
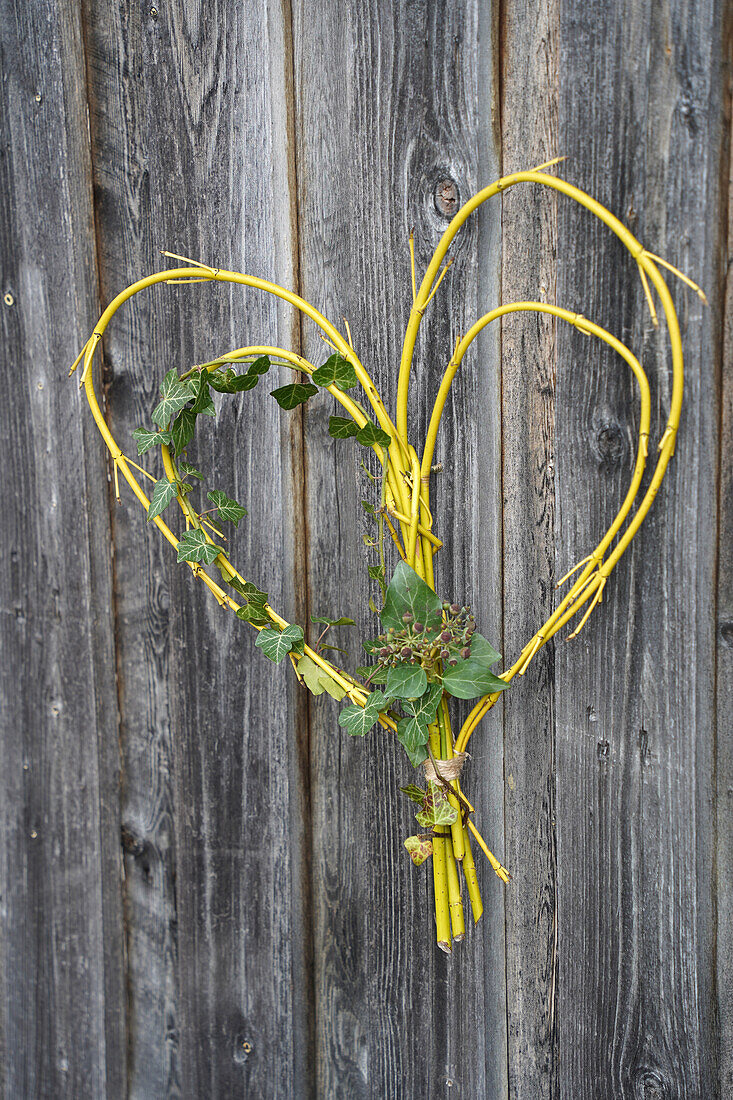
x=421, y=663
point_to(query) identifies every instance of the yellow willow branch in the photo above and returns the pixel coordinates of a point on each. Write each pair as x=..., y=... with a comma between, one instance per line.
x=628, y=239
x=398, y=447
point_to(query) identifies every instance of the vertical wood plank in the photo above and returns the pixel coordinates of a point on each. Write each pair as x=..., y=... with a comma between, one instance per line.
x=529, y=250
x=62, y=990
x=395, y=129
x=191, y=153
x=639, y=104
x=724, y=654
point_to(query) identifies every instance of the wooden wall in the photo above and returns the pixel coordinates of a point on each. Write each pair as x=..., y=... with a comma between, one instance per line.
x=203, y=890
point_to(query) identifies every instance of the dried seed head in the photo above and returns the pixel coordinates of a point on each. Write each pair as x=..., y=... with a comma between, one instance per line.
x=455, y=608
x=465, y=652
x=419, y=627
x=406, y=651
x=407, y=617
x=446, y=636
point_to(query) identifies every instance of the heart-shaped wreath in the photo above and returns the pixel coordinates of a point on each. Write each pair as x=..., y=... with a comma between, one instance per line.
x=429, y=649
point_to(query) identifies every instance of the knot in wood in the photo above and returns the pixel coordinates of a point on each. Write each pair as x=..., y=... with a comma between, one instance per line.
x=447, y=197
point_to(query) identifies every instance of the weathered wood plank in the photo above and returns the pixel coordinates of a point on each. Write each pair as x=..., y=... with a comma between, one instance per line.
x=393, y=101
x=724, y=671
x=633, y=697
x=62, y=990
x=191, y=152
x=529, y=243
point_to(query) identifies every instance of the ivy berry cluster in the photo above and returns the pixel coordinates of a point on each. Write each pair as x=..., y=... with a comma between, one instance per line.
x=416, y=644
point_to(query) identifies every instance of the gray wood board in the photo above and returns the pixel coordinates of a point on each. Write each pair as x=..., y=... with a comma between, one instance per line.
x=190, y=110
x=628, y=1003
x=393, y=102
x=62, y=997
x=723, y=317
x=529, y=249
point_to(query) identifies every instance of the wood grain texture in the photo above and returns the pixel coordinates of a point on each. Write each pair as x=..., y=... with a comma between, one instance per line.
x=633, y=696
x=62, y=1020
x=528, y=350
x=393, y=114
x=724, y=640
x=190, y=130
x=270, y=937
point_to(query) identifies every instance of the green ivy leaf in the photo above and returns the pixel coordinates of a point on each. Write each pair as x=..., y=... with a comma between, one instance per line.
x=289, y=397
x=317, y=679
x=438, y=810
x=261, y=365
x=406, y=682
x=332, y=622
x=276, y=644
x=376, y=572
x=413, y=737
x=174, y=395
x=202, y=405
x=228, y=509
x=336, y=371
x=369, y=508
x=164, y=491
x=424, y=709
x=414, y=793
x=249, y=590
x=229, y=382
x=471, y=678
x=147, y=439
x=371, y=434
x=420, y=848
x=342, y=427
x=183, y=429
x=409, y=592
x=188, y=470
x=372, y=645
x=367, y=673
x=359, y=720
x=483, y=651
x=253, y=613
x=193, y=546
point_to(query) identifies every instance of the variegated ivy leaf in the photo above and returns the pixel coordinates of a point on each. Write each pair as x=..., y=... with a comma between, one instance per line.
x=203, y=405
x=253, y=613
x=359, y=720
x=188, y=470
x=147, y=439
x=174, y=395
x=276, y=644
x=425, y=708
x=164, y=491
x=194, y=546
x=414, y=793
x=228, y=508
x=413, y=736
x=317, y=679
x=420, y=848
x=437, y=810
